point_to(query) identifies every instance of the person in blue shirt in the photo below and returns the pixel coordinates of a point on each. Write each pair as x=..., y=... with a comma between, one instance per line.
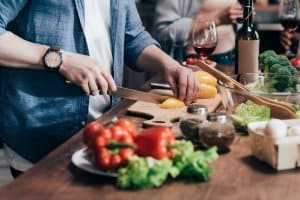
x=44, y=44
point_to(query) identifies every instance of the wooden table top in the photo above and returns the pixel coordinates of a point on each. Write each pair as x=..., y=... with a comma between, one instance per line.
x=236, y=175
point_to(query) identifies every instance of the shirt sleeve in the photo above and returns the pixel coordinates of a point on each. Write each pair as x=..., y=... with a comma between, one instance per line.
x=169, y=24
x=136, y=38
x=9, y=11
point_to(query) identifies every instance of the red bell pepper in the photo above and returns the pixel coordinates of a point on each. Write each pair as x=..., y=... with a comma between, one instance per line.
x=128, y=125
x=90, y=132
x=155, y=142
x=113, y=146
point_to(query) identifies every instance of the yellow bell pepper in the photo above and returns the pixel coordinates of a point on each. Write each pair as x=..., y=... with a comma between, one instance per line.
x=172, y=103
x=207, y=91
x=206, y=78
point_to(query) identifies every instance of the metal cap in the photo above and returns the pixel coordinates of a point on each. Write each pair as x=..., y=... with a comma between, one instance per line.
x=217, y=117
x=197, y=109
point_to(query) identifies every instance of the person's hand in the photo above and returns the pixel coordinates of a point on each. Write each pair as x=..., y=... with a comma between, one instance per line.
x=87, y=73
x=231, y=14
x=285, y=39
x=183, y=82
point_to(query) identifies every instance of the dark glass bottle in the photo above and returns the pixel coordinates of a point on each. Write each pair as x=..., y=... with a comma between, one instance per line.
x=247, y=43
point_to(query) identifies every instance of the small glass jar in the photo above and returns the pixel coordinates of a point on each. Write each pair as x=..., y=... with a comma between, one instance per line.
x=218, y=131
x=197, y=109
x=189, y=126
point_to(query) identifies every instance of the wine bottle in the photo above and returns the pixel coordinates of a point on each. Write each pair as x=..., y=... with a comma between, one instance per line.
x=247, y=43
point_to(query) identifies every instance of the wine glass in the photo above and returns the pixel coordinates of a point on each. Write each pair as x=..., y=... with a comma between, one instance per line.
x=204, y=38
x=288, y=16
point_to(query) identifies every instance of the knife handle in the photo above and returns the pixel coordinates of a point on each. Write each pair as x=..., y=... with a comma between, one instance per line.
x=163, y=86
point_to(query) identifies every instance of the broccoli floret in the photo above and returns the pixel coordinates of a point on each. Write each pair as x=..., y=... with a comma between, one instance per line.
x=269, y=62
x=284, y=71
x=275, y=68
x=280, y=74
x=282, y=81
x=266, y=60
x=284, y=61
x=293, y=70
x=286, y=82
x=265, y=54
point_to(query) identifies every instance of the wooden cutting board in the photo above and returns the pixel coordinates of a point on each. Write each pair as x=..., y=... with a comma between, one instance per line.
x=157, y=116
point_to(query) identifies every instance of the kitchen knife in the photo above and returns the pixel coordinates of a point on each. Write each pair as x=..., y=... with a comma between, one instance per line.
x=163, y=86
x=138, y=95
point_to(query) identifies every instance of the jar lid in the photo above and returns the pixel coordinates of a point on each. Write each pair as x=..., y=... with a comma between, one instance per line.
x=217, y=117
x=198, y=109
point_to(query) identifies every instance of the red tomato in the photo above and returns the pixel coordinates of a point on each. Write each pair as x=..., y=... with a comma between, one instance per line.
x=128, y=125
x=191, y=61
x=102, y=158
x=113, y=145
x=207, y=61
x=90, y=132
x=117, y=132
x=115, y=161
x=295, y=61
x=102, y=138
x=126, y=139
x=126, y=153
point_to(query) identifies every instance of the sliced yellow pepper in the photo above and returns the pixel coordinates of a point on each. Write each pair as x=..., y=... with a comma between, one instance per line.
x=172, y=103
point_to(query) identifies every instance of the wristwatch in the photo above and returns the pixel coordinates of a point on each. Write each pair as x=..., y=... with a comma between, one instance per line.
x=53, y=59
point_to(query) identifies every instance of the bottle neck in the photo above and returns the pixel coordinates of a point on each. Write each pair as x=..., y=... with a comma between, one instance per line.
x=248, y=16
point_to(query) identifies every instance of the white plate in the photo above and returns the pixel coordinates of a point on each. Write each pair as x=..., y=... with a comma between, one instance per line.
x=81, y=159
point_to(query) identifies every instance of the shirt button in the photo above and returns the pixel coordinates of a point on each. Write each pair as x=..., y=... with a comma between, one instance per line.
x=83, y=123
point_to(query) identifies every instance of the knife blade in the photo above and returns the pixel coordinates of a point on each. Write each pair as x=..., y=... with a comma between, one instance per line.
x=163, y=86
x=137, y=95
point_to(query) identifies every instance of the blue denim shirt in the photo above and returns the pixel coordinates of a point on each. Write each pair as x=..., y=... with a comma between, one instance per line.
x=38, y=111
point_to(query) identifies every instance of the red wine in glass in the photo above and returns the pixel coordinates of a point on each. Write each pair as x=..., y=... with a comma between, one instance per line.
x=204, y=38
x=289, y=23
x=288, y=15
x=205, y=49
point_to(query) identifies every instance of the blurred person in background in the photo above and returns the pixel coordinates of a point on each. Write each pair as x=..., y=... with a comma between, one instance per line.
x=87, y=42
x=174, y=19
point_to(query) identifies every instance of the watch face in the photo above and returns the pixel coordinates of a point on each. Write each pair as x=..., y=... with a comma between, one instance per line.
x=53, y=59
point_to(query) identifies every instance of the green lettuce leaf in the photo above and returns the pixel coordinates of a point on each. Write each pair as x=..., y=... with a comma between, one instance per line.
x=250, y=112
x=193, y=165
x=143, y=173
